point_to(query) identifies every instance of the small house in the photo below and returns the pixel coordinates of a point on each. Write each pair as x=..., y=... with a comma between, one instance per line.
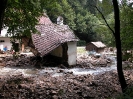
x=54, y=39
x=5, y=41
x=95, y=46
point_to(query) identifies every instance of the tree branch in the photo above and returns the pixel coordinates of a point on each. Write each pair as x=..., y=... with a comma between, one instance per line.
x=118, y=46
x=105, y=20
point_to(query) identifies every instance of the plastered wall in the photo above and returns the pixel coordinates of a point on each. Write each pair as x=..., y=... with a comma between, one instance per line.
x=5, y=43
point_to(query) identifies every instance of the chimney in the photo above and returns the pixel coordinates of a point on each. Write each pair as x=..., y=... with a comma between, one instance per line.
x=60, y=20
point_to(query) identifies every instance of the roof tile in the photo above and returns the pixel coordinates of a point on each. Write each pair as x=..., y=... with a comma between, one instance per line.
x=51, y=36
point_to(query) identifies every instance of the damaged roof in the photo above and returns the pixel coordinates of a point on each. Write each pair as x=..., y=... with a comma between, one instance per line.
x=98, y=44
x=51, y=36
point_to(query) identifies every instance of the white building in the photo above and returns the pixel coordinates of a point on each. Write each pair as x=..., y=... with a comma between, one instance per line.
x=5, y=41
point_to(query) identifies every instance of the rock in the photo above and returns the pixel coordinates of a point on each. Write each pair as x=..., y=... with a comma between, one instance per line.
x=2, y=64
x=55, y=97
x=53, y=92
x=64, y=87
x=60, y=71
x=1, y=60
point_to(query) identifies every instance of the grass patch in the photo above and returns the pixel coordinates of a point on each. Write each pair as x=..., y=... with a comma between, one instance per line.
x=127, y=95
x=81, y=50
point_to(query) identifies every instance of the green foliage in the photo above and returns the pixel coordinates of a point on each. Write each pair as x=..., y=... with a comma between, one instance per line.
x=126, y=27
x=52, y=8
x=85, y=21
x=81, y=16
x=104, y=32
x=90, y=6
x=126, y=56
x=90, y=27
x=106, y=35
x=106, y=7
x=69, y=15
x=61, y=8
x=127, y=95
x=76, y=14
x=81, y=43
x=22, y=16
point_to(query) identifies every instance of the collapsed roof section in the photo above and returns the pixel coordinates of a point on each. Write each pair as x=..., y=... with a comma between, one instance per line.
x=51, y=36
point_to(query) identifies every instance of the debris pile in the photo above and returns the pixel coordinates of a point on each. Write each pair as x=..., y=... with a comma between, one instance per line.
x=83, y=60
x=69, y=86
x=22, y=60
x=86, y=60
x=62, y=87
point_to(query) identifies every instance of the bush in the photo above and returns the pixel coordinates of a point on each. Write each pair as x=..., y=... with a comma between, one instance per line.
x=126, y=56
x=127, y=95
x=81, y=43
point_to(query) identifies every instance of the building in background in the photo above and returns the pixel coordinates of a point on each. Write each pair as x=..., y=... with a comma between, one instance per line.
x=95, y=46
x=4, y=41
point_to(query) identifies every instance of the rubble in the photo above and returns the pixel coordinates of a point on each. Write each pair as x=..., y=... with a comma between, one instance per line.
x=66, y=86
x=83, y=60
x=101, y=86
x=86, y=60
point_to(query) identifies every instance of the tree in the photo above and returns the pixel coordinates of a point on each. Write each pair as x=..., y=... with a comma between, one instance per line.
x=89, y=6
x=60, y=8
x=76, y=15
x=116, y=33
x=118, y=46
x=85, y=20
x=3, y=4
x=105, y=6
x=69, y=15
x=21, y=17
x=126, y=26
x=52, y=8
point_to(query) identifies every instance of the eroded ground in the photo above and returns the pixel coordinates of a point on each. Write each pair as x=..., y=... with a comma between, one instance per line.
x=68, y=86
x=21, y=80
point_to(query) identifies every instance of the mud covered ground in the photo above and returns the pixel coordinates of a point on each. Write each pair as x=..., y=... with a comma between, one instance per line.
x=17, y=85
x=67, y=86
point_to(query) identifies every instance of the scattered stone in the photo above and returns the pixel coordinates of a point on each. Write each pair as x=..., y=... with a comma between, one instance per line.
x=100, y=86
x=67, y=86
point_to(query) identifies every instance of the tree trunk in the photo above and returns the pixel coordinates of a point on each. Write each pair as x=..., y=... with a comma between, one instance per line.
x=118, y=46
x=3, y=4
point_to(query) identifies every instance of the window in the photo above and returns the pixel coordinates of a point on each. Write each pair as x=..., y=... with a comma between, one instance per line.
x=2, y=41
